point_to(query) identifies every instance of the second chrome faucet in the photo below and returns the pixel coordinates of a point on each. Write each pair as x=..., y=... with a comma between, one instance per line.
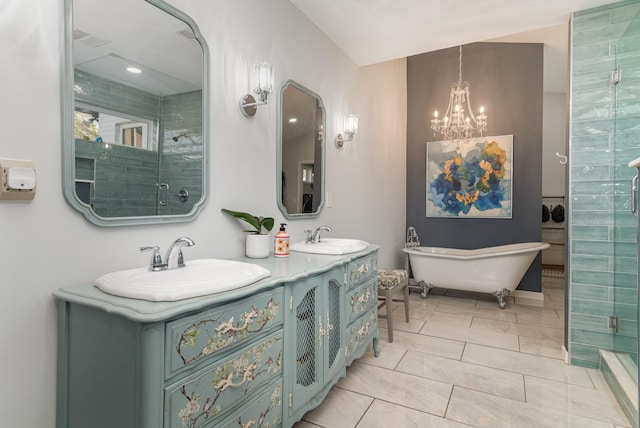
x=173, y=259
x=313, y=237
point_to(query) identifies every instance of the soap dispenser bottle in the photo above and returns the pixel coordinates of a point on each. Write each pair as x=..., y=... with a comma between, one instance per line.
x=281, y=246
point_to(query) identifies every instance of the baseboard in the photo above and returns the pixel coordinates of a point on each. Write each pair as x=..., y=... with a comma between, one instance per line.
x=528, y=298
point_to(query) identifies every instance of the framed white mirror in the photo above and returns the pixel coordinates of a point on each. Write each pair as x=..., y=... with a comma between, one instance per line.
x=135, y=108
x=300, y=159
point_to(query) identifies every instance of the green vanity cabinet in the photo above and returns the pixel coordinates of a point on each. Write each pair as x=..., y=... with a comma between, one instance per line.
x=260, y=355
x=316, y=351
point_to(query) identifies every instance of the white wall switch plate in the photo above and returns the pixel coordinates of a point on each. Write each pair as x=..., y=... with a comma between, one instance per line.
x=17, y=180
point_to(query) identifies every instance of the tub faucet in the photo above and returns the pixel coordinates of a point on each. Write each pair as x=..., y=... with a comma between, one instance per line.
x=177, y=261
x=314, y=237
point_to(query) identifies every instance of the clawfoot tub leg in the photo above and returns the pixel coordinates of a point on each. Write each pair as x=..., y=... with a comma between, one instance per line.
x=423, y=287
x=500, y=295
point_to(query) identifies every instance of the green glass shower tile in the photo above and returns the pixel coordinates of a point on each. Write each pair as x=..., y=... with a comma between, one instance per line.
x=626, y=265
x=600, y=263
x=596, y=233
x=592, y=203
x=628, y=328
x=592, y=247
x=626, y=344
x=625, y=234
x=628, y=124
x=592, y=127
x=626, y=295
x=589, y=292
x=590, y=111
x=591, y=307
x=598, y=94
x=625, y=13
x=591, y=51
x=590, y=323
x=591, y=172
x=626, y=280
x=598, y=33
x=584, y=20
x=629, y=45
x=592, y=218
x=593, y=338
x=626, y=249
x=593, y=188
x=632, y=30
x=628, y=108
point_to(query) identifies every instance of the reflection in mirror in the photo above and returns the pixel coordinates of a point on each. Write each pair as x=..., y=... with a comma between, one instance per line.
x=135, y=141
x=300, y=151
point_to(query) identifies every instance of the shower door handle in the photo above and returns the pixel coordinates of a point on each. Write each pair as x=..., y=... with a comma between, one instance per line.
x=163, y=194
x=634, y=195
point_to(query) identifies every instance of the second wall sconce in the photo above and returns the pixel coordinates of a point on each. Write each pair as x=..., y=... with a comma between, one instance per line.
x=350, y=128
x=248, y=103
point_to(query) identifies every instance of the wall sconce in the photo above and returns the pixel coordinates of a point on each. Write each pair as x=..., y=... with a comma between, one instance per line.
x=350, y=129
x=248, y=103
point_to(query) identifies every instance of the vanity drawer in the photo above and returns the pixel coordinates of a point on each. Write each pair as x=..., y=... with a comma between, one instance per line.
x=264, y=411
x=359, y=333
x=362, y=299
x=202, y=336
x=210, y=393
x=361, y=269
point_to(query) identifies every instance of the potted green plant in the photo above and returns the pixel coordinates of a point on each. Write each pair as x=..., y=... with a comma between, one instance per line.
x=258, y=243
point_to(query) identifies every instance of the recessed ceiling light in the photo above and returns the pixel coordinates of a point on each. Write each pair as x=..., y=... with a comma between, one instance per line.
x=134, y=70
x=293, y=120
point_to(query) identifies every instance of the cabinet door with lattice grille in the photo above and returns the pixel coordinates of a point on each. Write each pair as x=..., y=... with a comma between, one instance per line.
x=334, y=354
x=305, y=354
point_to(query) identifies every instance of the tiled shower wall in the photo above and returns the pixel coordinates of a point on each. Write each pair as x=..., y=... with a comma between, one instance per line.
x=605, y=136
x=125, y=177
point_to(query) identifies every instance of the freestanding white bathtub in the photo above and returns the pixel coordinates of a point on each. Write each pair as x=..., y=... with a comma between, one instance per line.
x=496, y=270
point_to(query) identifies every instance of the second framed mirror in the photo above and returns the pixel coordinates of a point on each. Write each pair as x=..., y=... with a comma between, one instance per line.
x=300, y=157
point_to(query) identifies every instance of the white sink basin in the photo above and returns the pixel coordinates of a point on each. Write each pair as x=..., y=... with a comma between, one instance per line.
x=196, y=278
x=333, y=246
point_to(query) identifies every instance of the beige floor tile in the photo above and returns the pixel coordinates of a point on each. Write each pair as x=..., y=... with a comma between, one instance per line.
x=528, y=364
x=412, y=391
x=561, y=397
x=389, y=356
x=549, y=318
x=340, y=409
x=425, y=344
x=400, y=323
x=494, y=313
x=449, y=319
x=545, y=348
x=472, y=376
x=465, y=334
x=483, y=410
x=480, y=325
x=387, y=415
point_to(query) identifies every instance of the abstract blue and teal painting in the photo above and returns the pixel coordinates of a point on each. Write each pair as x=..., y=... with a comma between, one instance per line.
x=470, y=178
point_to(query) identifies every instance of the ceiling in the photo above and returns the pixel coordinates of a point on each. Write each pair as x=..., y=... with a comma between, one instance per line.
x=373, y=31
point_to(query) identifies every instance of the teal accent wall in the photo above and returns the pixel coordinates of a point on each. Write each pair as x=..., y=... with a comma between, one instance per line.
x=605, y=136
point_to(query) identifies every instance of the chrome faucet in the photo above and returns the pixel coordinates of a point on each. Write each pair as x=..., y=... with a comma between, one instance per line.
x=172, y=261
x=314, y=237
x=174, y=258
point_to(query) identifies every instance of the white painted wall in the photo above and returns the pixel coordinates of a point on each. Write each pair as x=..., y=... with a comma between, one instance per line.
x=554, y=140
x=47, y=245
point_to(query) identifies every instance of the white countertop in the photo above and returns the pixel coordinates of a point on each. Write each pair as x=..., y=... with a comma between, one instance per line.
x=283, y=270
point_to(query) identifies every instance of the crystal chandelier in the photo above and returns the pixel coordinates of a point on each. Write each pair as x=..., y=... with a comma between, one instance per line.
x=455, y=125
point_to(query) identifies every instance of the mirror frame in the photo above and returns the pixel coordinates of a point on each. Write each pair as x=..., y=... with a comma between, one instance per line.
x=283, y=209
x=68, y=142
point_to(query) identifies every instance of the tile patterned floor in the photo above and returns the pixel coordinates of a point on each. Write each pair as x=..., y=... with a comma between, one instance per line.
x=463, y=362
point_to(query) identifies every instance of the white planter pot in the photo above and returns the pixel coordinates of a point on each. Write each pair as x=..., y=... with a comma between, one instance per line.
x=258, y=246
